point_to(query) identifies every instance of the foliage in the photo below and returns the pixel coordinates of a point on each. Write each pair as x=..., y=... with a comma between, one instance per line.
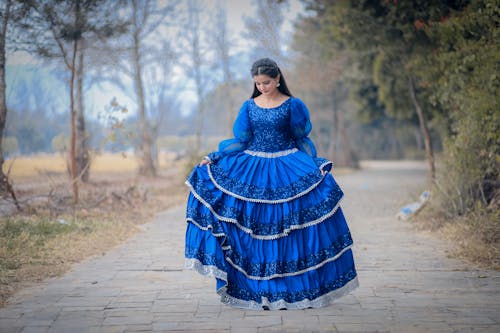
x=464, y=78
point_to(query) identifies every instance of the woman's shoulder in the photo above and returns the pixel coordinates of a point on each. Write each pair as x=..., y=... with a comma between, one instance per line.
x=244, y=105
x=297, y=103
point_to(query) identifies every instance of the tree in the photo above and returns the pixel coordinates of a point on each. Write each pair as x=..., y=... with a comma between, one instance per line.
x=321, y=75
x=57, y=30
x=390, y=40
x=196, y=64
x=161, y=99
x=222, y=45
x=462, y=74
x=4, y=24
x=265, y=30
x=132, y=54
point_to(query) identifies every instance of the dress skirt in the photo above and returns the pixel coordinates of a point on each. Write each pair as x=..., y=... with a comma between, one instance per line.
x=269, y=228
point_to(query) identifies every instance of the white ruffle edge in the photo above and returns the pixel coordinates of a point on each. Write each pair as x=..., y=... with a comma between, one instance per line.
x=250, y=231
x=195, y=264
x=319, y=302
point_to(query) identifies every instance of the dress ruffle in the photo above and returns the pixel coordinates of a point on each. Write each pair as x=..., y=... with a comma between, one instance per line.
x=267, y=260
x=267, y=180
x=209, y=207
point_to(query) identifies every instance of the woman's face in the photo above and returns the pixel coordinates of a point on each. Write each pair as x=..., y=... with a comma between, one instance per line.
x=266, y=84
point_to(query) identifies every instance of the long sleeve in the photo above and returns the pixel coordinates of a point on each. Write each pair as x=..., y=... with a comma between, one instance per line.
x=300, y=125
x=242, y=134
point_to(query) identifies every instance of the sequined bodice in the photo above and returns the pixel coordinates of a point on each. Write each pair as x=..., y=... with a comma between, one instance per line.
x=270, y=127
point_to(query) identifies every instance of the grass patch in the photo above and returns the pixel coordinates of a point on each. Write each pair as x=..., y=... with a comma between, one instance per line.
x=33, y=248
x=475, y=236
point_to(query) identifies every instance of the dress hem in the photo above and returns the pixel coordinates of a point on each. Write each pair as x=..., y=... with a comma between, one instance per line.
x=321, y=301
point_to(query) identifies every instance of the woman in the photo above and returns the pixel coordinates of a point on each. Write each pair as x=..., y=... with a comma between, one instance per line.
x=263, y=212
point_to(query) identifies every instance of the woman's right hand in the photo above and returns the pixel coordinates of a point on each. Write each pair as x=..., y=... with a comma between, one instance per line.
x=204, y=162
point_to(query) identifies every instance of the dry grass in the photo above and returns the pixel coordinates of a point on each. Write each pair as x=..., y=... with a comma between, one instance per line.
x=476, y=236
x=24, y=168
x=42, y=241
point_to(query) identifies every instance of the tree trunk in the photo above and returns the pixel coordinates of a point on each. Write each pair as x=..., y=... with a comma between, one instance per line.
x=72, y=154
x=4, y=182
x=332, y=140
x=228, y=81
x=346, y=147
x=199, y=119
x=146, y=166
x=81, y=149
x=5, y=186
x=424, y=129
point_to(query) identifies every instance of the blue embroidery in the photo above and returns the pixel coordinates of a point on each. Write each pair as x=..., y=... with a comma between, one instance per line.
x=291, y=296
x=258, y=228
x=267, y=193
x=267, y=269
x=284, y=267
x=205, y=258
x=271, y=127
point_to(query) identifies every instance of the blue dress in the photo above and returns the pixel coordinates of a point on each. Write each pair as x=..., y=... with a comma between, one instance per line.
x=264, y=216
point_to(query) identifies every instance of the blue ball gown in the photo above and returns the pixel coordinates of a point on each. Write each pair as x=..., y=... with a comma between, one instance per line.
x=264, y=216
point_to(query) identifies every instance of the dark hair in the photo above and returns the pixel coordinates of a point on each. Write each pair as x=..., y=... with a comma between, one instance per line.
x=266, y=66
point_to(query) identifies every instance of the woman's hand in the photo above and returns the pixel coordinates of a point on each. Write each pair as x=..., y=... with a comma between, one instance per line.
x=204, y=161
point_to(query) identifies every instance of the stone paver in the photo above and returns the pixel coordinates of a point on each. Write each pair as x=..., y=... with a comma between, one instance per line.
x=407, y=282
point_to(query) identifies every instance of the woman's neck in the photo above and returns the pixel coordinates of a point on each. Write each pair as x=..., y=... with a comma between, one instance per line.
x=274, y=96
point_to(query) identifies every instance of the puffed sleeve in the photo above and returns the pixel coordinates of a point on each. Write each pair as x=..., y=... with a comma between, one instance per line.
x=242, y=134
x=300, y=125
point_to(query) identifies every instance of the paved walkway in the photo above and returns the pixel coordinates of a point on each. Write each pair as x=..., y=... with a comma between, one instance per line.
x=407, y=282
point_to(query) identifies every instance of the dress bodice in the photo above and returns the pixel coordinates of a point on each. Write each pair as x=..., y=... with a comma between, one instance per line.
x=270, y=127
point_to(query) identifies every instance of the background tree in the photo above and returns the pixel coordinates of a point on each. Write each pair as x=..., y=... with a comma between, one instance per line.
x=162, y=100
x=5, y=17
x=57, y=30
x=321, y=69
x=462, y=74
x=131, y=55
x=391, y=40
x=264, y=29
x=195, y=64
x=222, y=43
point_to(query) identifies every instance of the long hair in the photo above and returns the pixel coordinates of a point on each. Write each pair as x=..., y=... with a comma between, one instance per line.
x=266, y=66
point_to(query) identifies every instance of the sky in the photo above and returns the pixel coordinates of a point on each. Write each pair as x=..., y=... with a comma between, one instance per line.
x=100, y=95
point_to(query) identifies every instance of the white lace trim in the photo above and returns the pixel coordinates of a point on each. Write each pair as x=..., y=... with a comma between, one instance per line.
x=237, y=196
x=319, y=302
x=321, y=167
x=250, y=231
x=324, y=300
x=270, y=277
x=271, y=155
x=210, y=271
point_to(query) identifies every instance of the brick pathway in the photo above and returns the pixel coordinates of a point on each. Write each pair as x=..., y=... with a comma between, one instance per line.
x=407, y=282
